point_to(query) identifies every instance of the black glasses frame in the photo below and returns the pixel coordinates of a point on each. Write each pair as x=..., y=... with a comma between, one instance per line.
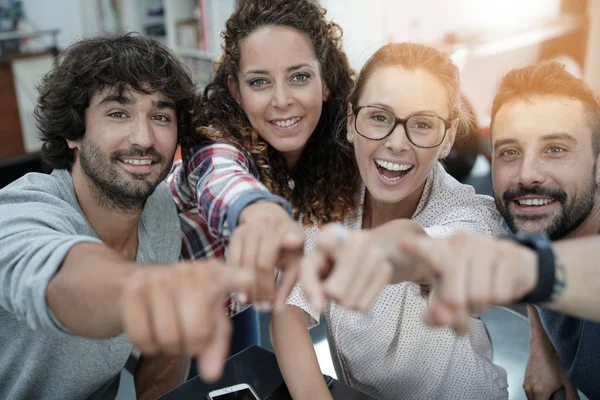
x=401, y=121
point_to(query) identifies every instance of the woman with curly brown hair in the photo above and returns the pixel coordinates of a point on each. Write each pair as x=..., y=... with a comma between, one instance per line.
x=267, y=125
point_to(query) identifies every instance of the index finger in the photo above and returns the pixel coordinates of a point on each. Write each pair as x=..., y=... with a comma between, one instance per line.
x=211, y=360
x=289, y=276
x=312, y=268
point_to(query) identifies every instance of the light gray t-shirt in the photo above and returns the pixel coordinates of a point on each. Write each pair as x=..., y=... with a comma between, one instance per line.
x=40, y=220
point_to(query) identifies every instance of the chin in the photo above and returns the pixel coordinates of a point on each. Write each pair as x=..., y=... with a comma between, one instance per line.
x=532, y=226
x=288, y=146
x=386, y=196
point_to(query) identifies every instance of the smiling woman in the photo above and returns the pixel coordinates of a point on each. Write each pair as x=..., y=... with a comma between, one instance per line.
x=267, y=123
x=401, y=120
x=278, y=94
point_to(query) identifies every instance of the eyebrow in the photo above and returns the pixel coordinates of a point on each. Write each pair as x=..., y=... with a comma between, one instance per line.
x=162, y=104
x=288, y=69
x=560, y=136
x=550, y=136
x=129, y=101
x=117, y=98
x=387, y=107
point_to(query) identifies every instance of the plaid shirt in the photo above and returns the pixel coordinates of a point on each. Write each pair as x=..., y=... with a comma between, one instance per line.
x=210, y=191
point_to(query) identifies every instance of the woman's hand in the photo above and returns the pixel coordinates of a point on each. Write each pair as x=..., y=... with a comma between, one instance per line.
x=267, y=238
x=346, y=266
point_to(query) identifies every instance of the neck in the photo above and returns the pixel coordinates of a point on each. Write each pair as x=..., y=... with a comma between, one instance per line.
x=117, y=228
x=292, y=158
x=377, y=213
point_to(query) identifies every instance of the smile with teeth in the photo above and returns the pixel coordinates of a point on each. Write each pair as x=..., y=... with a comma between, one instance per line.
x=391, y=171
x=541, y=201
x=393, y=166
x=286, y=123
x=135, y=161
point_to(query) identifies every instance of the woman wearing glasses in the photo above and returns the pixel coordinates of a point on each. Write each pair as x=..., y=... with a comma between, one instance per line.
x=402, y=119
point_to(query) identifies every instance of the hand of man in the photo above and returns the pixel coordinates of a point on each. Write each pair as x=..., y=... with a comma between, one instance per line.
x=179, y=309
x=265, y=239
x=469, y=272
x=544, y=374
x=344, y=266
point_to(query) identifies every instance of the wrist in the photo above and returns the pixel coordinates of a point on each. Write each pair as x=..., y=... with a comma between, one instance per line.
x=545, y=283
x=259, y=209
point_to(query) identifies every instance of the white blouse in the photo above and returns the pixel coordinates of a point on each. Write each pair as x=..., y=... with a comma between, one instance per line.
x=389, y=352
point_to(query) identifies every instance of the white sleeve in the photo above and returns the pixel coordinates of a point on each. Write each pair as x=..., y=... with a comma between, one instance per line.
x=298, y=299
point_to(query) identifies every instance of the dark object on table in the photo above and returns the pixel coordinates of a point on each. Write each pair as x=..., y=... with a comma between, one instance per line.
x=282, y=392
x=258, y=368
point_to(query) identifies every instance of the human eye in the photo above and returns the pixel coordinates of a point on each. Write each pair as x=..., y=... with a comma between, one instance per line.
x=258, y=82
x=161, y=118
x=379, y=117
x=301, y=77
x=555, y=150
x=423, y=125
x=509, y=153
x=117, y=114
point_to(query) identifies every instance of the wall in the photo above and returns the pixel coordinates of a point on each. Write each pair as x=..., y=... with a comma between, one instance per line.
x=62, y=14
x=369, y=24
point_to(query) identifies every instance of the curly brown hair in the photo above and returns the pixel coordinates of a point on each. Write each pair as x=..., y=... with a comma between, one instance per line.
x=129, y=61
x=326, y=177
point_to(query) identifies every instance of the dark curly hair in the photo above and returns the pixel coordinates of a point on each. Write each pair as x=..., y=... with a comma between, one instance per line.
x=326, y=178
x=126, y=62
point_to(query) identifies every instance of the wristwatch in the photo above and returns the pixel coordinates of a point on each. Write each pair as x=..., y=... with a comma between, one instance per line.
x=547, y=284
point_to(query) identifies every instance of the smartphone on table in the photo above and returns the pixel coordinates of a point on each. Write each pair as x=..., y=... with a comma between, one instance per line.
x=241, y=391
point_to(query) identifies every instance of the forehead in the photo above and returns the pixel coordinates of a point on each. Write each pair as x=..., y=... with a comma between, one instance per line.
x=109, y=92
x=406, y=91
x=529, y=120
x=275, y=47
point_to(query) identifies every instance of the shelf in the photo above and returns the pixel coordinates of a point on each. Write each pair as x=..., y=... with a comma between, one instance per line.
x=485, y=44
x=11, y=35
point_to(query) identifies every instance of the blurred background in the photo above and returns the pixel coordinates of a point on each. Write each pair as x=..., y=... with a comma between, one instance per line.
x=485, y=38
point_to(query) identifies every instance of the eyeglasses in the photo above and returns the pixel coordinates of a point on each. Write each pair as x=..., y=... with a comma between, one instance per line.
x=422, y=130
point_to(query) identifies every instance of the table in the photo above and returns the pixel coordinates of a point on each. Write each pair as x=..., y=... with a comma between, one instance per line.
x=258, y=368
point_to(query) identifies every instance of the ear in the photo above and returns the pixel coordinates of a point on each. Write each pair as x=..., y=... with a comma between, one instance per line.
x=598, y=170
x=233, y=88
x=350, y=124
x=325, y=92
x=448, y=142
x=73, y=144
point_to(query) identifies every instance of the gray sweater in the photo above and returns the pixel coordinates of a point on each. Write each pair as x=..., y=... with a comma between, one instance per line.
x=40, y=220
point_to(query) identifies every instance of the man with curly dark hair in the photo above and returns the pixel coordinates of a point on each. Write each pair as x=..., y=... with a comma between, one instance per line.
x=75, y=296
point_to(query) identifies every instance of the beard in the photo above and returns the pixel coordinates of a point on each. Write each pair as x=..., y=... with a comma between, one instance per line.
x=573, y=212
x=116, y=189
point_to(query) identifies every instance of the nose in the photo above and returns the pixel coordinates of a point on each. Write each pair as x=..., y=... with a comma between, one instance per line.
x=142, y=134
x=397, y=140
x=282, y=97
x=531, y=171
